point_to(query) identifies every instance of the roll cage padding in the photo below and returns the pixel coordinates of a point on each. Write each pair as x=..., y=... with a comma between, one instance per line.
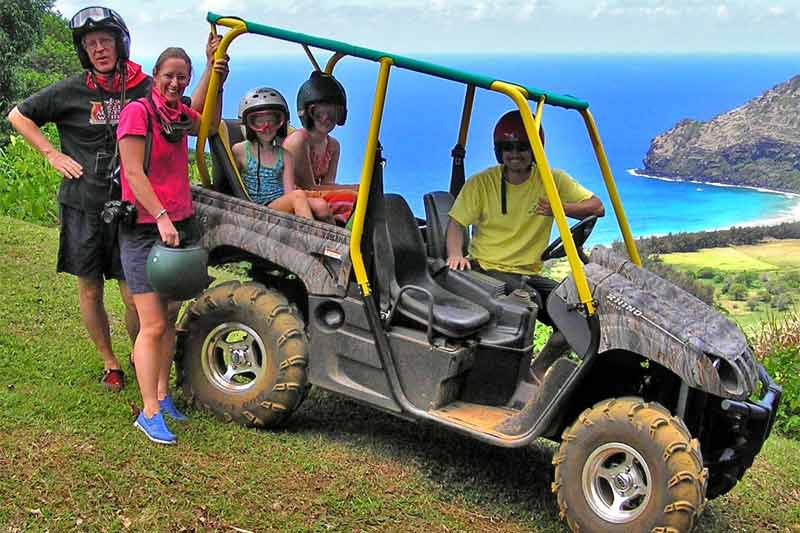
x=225, y=178
x=437, y=207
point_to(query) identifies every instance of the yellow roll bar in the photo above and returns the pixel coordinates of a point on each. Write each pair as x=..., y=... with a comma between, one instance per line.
x=466, y=115
x=366, y=176
x=519, y=96
x=611, y=186
x=237, y=27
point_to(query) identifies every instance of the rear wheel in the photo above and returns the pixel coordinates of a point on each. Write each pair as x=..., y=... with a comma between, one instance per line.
x=627, y=465
x=244, y=354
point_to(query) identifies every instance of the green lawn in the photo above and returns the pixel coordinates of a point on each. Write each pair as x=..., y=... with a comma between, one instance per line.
x=775, y=257
x=71, y=461
x=764, y=257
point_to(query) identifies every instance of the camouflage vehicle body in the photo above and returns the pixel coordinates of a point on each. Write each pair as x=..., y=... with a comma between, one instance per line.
x=645, y=314
x=316, y=252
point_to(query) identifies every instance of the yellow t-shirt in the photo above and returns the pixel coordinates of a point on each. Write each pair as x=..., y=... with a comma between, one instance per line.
x=515, y=241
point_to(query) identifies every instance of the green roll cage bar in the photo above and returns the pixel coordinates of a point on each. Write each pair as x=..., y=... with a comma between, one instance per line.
x=520, y=94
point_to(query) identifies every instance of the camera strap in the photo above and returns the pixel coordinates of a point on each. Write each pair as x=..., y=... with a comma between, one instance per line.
x=148, y=137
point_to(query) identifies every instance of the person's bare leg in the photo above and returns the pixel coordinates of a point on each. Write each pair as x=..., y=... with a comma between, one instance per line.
x=320, y=209
x=167, y=349
x=95, y=318
x=131, y=317
x=294, y=202
x=148, y=347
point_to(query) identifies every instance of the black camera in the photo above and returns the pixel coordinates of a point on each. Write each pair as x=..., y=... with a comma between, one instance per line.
x=119, y=212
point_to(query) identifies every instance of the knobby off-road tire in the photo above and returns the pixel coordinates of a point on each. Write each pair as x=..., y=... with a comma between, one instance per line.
x=244, y=355
x=629, y=466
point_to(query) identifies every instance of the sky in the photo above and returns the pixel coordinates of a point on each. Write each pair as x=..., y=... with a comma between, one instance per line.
x=475, y=26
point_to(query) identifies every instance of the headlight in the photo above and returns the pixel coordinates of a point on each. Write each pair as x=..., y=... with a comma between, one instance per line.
x=730, y=376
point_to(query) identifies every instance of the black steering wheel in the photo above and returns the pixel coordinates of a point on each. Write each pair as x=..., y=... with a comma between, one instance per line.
x=580, y=232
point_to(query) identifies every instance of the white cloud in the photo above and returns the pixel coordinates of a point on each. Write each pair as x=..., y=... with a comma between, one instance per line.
x=776, y=11
x=406, y=26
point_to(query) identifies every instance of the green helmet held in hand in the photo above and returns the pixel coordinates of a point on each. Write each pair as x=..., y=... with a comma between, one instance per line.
x=178, y=273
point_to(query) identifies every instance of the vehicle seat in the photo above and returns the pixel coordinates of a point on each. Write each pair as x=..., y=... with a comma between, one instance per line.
x=437, y=205
x=225, y=177
x=402, y=262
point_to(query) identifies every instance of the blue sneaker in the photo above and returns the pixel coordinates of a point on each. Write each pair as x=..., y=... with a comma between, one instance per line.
x=155, y=428
x=169, y=409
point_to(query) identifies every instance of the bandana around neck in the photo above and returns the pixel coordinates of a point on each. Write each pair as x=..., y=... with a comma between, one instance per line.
x=171, y=114
x=133, y=77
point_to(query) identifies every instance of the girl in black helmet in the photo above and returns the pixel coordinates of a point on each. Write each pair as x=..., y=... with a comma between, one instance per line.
x=267, y=169
x=321, y=106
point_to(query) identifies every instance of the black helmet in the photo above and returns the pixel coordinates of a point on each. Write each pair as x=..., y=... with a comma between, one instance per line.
x=97, y=18
x=178, y=273
x=320, y=87
x=264, y=98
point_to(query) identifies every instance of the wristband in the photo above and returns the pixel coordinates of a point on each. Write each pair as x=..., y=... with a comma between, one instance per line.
x=161, y=214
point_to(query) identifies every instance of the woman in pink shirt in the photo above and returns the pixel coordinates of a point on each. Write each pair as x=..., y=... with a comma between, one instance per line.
x=159, y=188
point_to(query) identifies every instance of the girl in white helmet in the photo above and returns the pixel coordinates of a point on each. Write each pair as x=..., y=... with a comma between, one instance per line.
x=267, y=169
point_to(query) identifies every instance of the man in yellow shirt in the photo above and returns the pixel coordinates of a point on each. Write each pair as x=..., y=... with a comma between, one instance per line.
x=511, y=216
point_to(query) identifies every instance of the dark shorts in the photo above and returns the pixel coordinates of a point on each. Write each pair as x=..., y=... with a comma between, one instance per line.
x=88, y=247
x=135, y=243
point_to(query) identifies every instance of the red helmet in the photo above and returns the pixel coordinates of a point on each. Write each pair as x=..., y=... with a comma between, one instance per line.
x=511, y=129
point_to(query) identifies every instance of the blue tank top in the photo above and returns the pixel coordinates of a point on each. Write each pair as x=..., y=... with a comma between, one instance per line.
x=264, y=184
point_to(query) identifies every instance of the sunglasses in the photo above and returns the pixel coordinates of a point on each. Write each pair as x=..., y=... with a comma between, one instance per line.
x=261, y=120
x=514, y=146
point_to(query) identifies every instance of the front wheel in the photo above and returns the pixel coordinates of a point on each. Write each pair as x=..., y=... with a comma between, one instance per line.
x=243, y=354
x=627, y=465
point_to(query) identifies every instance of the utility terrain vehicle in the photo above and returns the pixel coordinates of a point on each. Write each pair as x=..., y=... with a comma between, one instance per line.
x=660, y=406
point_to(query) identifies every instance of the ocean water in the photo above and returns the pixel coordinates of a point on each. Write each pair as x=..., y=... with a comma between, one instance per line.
x=633, y=98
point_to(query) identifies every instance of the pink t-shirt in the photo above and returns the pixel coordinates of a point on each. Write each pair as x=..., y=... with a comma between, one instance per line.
x=169, y=163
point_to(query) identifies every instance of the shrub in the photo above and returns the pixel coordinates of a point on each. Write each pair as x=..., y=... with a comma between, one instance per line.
x=782, y=302
x=28, y=185
x=705, y=273
x=777, y=345
x=738, y=291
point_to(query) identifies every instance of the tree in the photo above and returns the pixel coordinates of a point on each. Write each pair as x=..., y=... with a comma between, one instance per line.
x=782, y=302
x=20, y=27
x=51, y=59
x=738, y=291
x=752, y=303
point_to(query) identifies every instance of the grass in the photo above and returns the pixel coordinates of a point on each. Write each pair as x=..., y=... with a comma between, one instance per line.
x=778, y=256
x=70, y=460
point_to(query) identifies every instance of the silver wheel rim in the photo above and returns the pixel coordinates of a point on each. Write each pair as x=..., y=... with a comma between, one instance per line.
x=233, y=357
x=616, y=482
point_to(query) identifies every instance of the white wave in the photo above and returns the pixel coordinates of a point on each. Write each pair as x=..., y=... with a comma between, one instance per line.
x=634, y=172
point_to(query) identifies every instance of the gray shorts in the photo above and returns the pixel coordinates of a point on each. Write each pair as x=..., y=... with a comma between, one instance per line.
x=135, y=243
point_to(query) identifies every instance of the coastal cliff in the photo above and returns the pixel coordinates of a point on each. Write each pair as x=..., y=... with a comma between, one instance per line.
x=755, y=145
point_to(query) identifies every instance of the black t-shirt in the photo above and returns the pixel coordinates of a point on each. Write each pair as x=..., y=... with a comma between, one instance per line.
x=80, y=117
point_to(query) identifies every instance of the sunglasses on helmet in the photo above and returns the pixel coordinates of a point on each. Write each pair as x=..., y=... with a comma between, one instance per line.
x=259, y=121
x=92, y=16
x=514, y=146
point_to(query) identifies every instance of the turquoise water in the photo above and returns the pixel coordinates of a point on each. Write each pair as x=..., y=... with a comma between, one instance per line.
x=633, y=98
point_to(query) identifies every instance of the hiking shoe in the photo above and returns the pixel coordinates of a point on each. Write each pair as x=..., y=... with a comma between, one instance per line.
x=169, y=409
x=155, y=428
x=113, y=379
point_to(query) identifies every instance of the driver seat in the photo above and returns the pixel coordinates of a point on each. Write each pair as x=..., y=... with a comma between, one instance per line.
x=437, y=206
x=404, y=278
